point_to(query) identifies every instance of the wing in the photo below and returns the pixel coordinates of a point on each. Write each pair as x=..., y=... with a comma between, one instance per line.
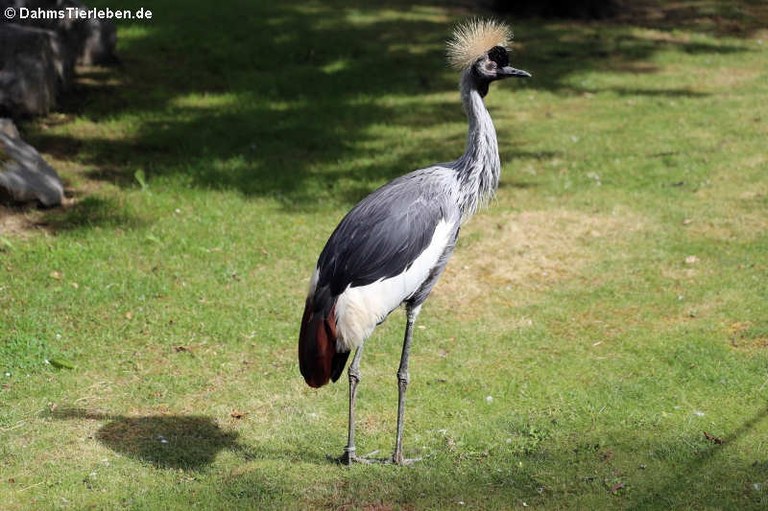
x=385, y=232
x=380, y=238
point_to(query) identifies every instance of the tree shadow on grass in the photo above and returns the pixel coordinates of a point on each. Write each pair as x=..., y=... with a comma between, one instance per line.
x=284, y=100
x=267, y=96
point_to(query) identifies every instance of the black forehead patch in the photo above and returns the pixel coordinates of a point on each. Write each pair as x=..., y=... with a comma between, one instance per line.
x=499, y=55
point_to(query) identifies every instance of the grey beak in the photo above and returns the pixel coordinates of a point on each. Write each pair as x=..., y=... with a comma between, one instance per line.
x=508, y=71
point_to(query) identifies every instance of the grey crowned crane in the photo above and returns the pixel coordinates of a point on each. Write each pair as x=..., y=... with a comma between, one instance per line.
x=392, y=247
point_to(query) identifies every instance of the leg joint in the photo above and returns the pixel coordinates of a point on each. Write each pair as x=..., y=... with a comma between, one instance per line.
x=412, y=312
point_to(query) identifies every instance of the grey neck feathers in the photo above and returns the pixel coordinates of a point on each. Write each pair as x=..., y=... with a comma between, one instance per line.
x=478, y=169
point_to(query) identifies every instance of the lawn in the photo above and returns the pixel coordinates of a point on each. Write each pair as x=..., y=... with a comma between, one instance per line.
x=599, y=340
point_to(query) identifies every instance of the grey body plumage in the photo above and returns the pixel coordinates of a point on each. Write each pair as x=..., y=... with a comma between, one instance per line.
x=392, y=247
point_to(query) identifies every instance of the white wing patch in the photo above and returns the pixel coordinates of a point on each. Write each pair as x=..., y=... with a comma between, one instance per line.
x=313, y=282
x=360, y=309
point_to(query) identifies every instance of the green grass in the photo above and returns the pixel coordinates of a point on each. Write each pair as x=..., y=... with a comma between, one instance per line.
x=605, y=312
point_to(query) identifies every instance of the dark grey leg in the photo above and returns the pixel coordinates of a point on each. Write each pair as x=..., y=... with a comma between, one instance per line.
x=402, y=384
x=349, y=455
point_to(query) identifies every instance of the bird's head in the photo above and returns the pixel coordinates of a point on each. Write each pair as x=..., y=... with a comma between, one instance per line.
x=494, y=65
x=480, y=47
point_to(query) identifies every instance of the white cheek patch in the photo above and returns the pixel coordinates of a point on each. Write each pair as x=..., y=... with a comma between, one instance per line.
x=360, y=309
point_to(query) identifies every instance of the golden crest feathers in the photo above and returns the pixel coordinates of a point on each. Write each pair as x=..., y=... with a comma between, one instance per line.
x=473, y=38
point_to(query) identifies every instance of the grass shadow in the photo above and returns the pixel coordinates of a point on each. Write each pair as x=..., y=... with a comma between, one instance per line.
x=165, y=441
x=736, y=19
x=271, y=93
x=679, y=486
x=556, y=52
x=297, y=101
x=189, y=442
x=92, y=211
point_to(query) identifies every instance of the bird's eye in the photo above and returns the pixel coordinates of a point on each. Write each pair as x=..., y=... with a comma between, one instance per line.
x=490, y=66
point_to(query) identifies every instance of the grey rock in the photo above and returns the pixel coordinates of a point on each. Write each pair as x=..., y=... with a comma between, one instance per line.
x=100, y=43
x=8, y=128
x=30, y=76
x=24, y=175
x=89, y=41
x=35, y=49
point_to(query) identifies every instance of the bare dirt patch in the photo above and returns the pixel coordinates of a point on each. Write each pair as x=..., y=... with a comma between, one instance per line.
x=18, y=222
x=25, y=221
x=526, y=254
x=747, y=336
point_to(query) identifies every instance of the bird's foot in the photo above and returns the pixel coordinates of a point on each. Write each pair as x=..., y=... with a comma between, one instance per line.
x=350, y=457
x=365, y=460
x=398, y=459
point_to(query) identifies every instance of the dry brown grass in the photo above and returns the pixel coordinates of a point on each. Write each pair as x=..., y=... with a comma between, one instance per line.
x=527, y=253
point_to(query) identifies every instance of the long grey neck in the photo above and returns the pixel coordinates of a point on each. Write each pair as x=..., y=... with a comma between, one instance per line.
x=478, y=169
